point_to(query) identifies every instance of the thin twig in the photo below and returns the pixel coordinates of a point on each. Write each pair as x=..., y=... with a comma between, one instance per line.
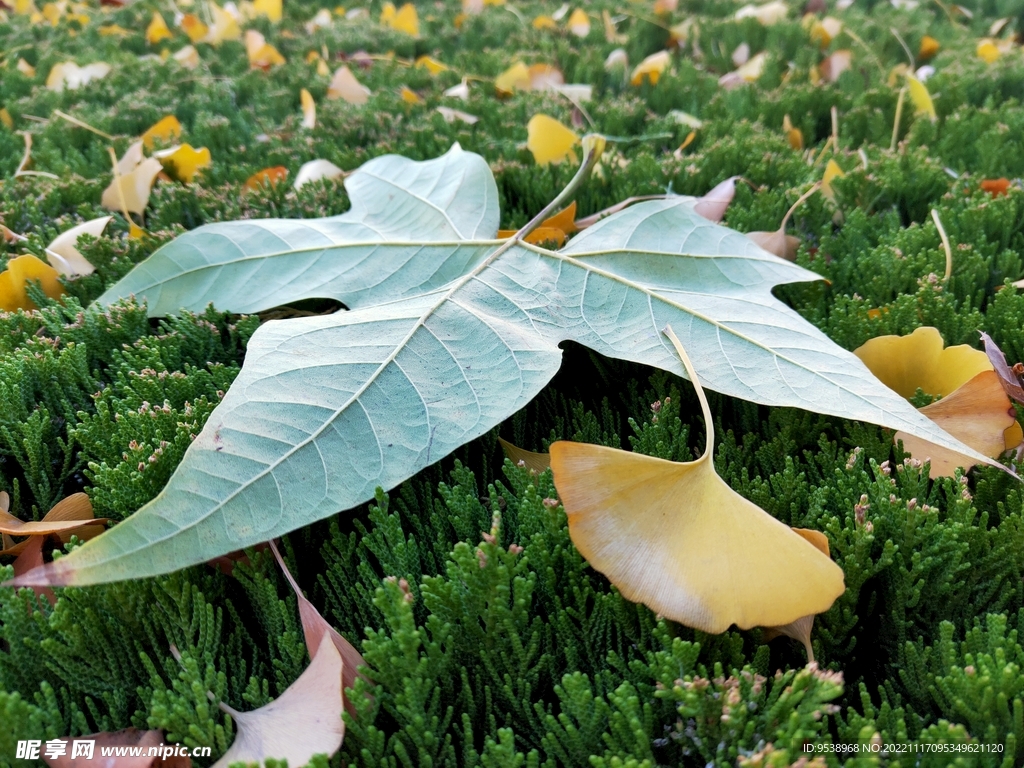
x=903, y=43
x=82, y=124
x=896, y=122
x=945, y=244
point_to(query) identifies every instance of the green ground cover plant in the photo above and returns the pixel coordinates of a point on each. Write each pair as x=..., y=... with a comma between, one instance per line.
x=489, y=640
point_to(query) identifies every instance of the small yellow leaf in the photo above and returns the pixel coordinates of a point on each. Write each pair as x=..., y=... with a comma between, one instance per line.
x=183, y=162
x=194, y=27
x=433, y=66
x=345, y=86
x=824, y=31
x=315, y=170
x=188, y=57
x=63, y=253
x=21, y=270
x=767, y=14
x=113, y=30
x=409, y=96
x=549, y=140
x=6, y=120
x=71, y=76
x=157, y=30
x=225, y=26
x=402, y=20
x=675, y=537
x=322, y=20
x=553, y=229
x=515, y=77
x=579, y=23
x=166, y=130
x=794, y=136
x=535, y=462
x=135, y=184
x=988, y=51
x=544, y=22
x=929, y=47
x=269, y=8
x=651, y=68
x=748, y=73
x=261, y=54
x=268, y=177
x=26, y=69
x=51, y=13
x=920, y=98
x=308, y=109
x=832, y=172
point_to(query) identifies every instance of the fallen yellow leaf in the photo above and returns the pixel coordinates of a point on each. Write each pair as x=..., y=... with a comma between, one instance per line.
x=794, y=136
x=544, y=22
x=403, y=20
x=135, y=175
x=409, y=96
x=166, y=130
x=157, y=30
x=26, y=69
x=20, y=270
x=767, y=14
x=308, y=109
x=579, y=23
x=268, y=177
x=71, y=76
x=345, y=86
x=675, y=537
x=988, y=51
x=183, y=162
x=433, y=66
x=63, y=253
x=920, y=98
x=224, y=27
x=262, y=55
x=269, y=8
x=549, y=140
x=929, y=47
x=194, y=27
x=650, y=68
x=832, y=172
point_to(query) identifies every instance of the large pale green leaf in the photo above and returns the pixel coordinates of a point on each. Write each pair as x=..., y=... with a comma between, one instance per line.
x=444, y=342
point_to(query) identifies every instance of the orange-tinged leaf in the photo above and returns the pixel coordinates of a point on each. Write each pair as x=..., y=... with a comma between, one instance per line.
x=665, y=6
x=308, y=109
x=69, y=514
x=794, y=136
x=978, y=414
x=929, y=47
x=515, y=77
x=549, y=140
x=650, y=68
x=261, y=54
x=188, y=57
x=713, y=204
x=63, y=254
x=579, y=23
x=310, y=707
x=675, y=537
x=194, y=27
x=184, y=162
x=535, y=462
x=224, y=27
x=409, y=96
x=345, y=86
x=918, y=361
x=996, y=187
x=166, y=130
x=778, y=242
x=268, y=177
x=1012, y=381
x=270, y=8
x=157, y=29
x=21, y=270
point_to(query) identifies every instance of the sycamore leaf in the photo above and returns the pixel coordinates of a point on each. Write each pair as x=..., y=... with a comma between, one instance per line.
x=63, y=250
x=315, y=170
x=129, y=737
x=1009, y=377
x=651, y=68
x=449, y=332
x=315, y=628
x=268, y=177
x=308, y=109
x=549, y=140
x=157, y=29
x=20, y=270
x=166, y=130
x=71, y=76
x=310, y=707
x=920, y=98
x=675, y=537
x=345, y=86
x=183, y=162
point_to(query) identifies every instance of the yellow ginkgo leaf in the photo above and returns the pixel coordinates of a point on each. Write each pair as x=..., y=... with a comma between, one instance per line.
x=978, y=414
x=194, y=27
x=113, y=30
x=794, y=136
x=832, y=172
x=166, y=130
x=824, y=31
x=188, y=57
x=184, y=162
x=544, y=22
x=403, y=20
x=261, y=54
x=549, y=140
x=433, y=66
x=409, y=96
x=675, y=537
x=20, y=271
x=650, y=68
x=345, y=86
x=129, y=190
x=224, y=27
x=63, y=253
x=579, y=23
x=269, y=8
x=767, y=14
x=929, y=47
x=515, y=77
x=71, y=76
x=6, y=120
x=920, y=98
x=268, y=177
x=26, y=69
x=749, y=72
x=553, y=229
x=52, y=13
x=988, y=51
x=157, y=29
x=315, y=170
x=919, y=361
x=308, y=109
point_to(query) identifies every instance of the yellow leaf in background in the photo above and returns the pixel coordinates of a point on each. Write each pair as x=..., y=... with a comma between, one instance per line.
x=679, y=34
x=183, y=162
x=322, y=69
x=269, y=8
x=23, y=7
x=579, y=23
x=748, y=73
x=21, y=270
x=433, y=66
x=345, y=86
x=52, y=14
x=268, y=177
x=113, y=30
x=315, y=170
x=157, y=30
x=929, y=47
x=665, y=6
x=833, y=66
x=194, y=27
x=919, y=361
x=794, y=136
x=515, y=77
x=832, y=172
x=767, y=14
x=988, y=51
x=71, y=76
x=188, y=57
x=322, y=20
x=825, y=31
x=388, y=13
x=63, y=253
x=308, y=109
x=166, y=130
x=553, y=229
x=651, y=68
x=675, y=537
x=225, y=26
x=403, y=20
x=545, y=22
x=6, y=120
x=549, y=140
x=26, y=69
x=920, y=98
x=262, y=55
x=136, y=176
x=409, y=96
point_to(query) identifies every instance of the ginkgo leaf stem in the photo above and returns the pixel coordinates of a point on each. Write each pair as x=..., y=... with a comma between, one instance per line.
x=709, y=444
x=82, y=124
x=945, y=244
x=800, y=200
x=896, y=122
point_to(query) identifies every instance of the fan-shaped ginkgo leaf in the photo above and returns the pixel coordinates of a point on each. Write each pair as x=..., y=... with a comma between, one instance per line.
x=63, y=254
x=579, y=23
x=224, y=27
x=268, y=177
x=272, y=9
x=184, y=162
x=129, y=191
x=549, y=140
x=345, y=86
x=308, y=109
x=166, y=130
x=920, y=98
x=675, y=537
x=21, y=270
x=157, y=29
x=315, y=170
x=651, y=68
